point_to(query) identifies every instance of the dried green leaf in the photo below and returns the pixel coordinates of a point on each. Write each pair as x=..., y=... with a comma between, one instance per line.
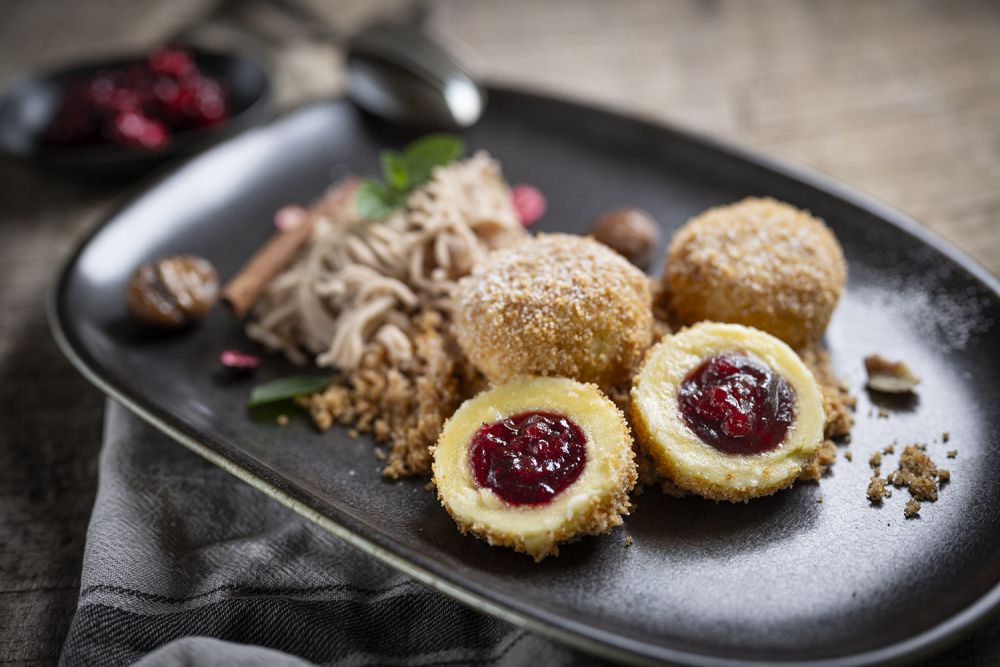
x=286, y=388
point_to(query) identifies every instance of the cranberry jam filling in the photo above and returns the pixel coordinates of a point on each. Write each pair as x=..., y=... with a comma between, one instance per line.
x=529, y=458
x=737, y=404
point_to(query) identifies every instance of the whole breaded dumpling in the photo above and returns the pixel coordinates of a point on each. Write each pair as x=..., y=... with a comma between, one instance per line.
x=557, y=305
x=759, y=262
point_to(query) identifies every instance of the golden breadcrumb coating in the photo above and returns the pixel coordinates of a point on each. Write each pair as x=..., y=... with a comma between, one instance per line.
x=561, y=305
x=759, y=262
x=837, y=404
x=591, y=505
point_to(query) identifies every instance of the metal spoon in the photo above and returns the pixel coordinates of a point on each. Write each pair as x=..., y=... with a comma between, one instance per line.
x=396, y=69
x=401, y=72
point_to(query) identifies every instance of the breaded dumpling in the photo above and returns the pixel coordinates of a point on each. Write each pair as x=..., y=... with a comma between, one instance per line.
x=727, y=412
x=759, y=262
x=534, y=463
x=558, y=305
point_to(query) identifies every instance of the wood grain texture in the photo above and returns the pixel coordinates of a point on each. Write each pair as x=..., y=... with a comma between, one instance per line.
x=898, y=98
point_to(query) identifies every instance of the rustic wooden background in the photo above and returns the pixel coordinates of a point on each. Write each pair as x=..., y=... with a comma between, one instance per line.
x=900, y=98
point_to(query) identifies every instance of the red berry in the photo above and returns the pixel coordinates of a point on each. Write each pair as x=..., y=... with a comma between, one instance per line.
x=172, y=62
x=529, y=203
x=134, y=128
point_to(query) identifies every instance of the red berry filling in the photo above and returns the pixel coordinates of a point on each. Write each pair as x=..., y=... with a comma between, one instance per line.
x=529, y=458
x=736, y=404
x=140, y=104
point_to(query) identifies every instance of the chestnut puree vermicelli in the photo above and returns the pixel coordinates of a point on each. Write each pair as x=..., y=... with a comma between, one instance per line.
x=372, y=300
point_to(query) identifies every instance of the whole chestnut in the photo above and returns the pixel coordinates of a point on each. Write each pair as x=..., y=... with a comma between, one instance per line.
x=172, y=292
x=630, y=232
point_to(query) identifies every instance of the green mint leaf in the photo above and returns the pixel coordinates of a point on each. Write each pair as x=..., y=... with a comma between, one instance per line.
x=375, y=201
x=394, y=170
x=433, y=150
x=285, y=388
x=403, y=172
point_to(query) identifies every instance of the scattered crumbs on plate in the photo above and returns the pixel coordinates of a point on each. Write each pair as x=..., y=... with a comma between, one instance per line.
x=282, y=420
x=946, y=436
x=380, y=454
x=952, y=453
x=876, y=489
x=628, y=540
x=912, y=508
x=820, y=499
x=883, y=413
x=875, y=460
x=920, y=475
x=890, y=449
x=849, y=455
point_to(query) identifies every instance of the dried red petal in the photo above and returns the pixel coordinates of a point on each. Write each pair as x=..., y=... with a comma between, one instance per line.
x=239, y=360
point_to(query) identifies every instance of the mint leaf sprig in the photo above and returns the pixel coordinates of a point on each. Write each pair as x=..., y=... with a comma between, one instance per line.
x=403, y=172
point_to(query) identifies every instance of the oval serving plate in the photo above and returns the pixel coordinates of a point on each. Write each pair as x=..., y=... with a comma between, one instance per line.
x=811, y=575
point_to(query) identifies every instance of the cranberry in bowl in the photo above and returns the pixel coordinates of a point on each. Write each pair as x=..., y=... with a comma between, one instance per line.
x=123, y=116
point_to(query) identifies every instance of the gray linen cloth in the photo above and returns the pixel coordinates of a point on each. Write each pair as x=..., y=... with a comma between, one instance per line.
x=187, y=565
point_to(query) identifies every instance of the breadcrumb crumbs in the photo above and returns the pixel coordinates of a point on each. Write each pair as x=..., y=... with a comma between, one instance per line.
x=952, y=453
x=876, y=489
x=919, y=474
x=849, y=455
x=403, y=405
x=924, y=488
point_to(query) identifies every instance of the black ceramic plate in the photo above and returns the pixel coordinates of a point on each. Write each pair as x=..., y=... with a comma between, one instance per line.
x=810, y=575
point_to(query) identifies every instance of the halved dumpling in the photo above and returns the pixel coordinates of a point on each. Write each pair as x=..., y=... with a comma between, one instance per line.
x=535, y=462
x=726, y=411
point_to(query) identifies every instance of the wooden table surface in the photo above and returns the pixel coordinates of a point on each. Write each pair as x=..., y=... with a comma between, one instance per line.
x=900, y=98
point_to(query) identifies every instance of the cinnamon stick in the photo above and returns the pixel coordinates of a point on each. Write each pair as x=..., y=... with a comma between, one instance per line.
x=243, y=290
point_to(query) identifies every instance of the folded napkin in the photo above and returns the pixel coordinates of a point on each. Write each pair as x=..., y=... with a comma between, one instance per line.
x=185, y=564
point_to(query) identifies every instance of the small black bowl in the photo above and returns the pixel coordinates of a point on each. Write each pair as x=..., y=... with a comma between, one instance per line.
x=27, y=108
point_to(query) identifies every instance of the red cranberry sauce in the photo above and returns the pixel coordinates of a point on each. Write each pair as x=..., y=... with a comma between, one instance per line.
x=736, y=404
x=528, y=458
x=141, y=104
